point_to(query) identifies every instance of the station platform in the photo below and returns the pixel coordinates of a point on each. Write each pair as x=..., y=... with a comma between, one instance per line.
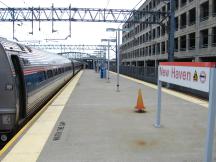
x=91, y=122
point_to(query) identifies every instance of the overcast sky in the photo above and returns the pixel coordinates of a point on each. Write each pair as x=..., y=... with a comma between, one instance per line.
x=82, y=32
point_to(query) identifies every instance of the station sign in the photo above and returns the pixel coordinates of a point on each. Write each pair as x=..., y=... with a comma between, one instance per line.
x=196, y=75
x=193, y=75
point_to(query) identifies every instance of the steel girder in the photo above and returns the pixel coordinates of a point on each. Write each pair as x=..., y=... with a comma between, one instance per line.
x=78, y=14
x=69, y=48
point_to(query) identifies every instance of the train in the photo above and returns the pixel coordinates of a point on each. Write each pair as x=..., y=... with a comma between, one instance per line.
x=28, y=78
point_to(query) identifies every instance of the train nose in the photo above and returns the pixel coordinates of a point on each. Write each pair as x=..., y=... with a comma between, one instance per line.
x=7, y=108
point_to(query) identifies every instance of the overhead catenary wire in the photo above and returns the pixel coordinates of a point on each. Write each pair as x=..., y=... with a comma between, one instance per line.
x=108, y=1
x=134, y=8
x=138, y=4
x=4, y=4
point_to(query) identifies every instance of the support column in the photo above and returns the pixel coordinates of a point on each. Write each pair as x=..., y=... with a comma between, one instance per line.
x=171, y=38
x=155, y=63
x=160, y=48
x=210, y=8
x=187, y=18
x=187, y=42
x=210, y=33
x=179, y=4
x=197, y=59
x=197, y=43
x=178, y=44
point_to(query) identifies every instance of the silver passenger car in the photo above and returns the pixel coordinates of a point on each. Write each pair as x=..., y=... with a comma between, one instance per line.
x=28, y=77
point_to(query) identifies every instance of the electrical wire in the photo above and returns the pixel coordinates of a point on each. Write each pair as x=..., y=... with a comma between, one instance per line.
x=4, y=4
x=108, y=1
x=133, y=9
x=137, y=4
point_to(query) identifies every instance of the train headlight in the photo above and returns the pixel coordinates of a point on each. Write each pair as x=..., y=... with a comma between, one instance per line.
x=4, y=137
x=6, y=119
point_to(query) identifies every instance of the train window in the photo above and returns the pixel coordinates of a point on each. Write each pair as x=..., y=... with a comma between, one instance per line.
x=55, y=72
x=33, y=80
x=68, y=68
x=49, y=73
x=21, y=47
x=59, y=70
x=41, y=76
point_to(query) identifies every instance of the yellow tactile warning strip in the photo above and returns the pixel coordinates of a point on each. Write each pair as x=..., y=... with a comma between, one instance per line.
x=31, y=144
x=171, y=92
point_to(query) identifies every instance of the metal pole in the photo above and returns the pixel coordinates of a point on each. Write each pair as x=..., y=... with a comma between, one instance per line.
x=118, y=51
x=39, y=20
x=108, y=66
x=53, y=19
x=172, y=30
x=211, y=117
x=157, y=123
x=70, y=21
x=13, y=29
x=32, y=21
x=100, y=59
x=13, y=24
x=93, y=61
x=104, y=59
x=116, y=47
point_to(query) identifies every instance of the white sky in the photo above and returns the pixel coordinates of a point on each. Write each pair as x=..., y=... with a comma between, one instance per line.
x=82, y=32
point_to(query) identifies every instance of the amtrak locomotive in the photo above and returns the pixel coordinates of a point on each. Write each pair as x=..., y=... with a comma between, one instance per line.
x=28, y=78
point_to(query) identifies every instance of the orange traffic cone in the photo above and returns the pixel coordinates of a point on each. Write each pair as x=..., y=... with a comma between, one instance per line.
x=140, y=105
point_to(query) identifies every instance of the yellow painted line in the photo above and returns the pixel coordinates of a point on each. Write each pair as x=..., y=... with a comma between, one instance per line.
x=170, y=92
x=34, y=119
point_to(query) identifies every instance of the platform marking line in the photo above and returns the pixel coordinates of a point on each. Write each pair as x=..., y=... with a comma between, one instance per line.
x=180, y=95
x=42, y=118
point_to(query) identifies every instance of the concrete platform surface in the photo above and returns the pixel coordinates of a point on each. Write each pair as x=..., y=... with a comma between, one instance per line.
x=99, y=124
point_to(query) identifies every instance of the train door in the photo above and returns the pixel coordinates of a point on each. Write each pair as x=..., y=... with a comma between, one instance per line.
x=20, y=85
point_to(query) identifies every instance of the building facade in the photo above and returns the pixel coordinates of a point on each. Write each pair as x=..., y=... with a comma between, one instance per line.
x=195, y=34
